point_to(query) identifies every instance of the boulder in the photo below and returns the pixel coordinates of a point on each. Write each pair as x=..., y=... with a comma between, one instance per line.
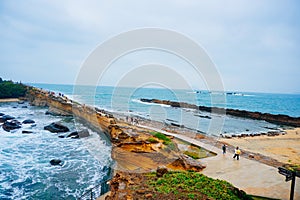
x=79, y=134
x=1, y=114
x=8, y=126
x=251, y=155
x=6, y=117
x=56, y=127
x=161, y=170
x=28, y=121
x=56, y=162
x=26, y=132
x=24, y=107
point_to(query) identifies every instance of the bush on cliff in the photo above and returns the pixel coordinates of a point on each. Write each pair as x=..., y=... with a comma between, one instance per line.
x=9, y=89
x=193, y=185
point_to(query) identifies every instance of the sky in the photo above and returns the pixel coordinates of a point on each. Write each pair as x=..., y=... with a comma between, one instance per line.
x=254, y=44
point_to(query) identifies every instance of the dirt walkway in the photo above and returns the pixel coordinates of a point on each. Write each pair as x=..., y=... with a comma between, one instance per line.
x=249, y=175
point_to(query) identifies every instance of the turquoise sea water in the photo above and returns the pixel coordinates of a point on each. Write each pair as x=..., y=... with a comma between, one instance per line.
x=25, y=172
x=288, y=104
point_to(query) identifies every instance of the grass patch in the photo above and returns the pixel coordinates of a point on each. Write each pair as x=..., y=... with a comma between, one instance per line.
x=152, y=140
x=166, y=140
x=195, y=185
x=191, y=154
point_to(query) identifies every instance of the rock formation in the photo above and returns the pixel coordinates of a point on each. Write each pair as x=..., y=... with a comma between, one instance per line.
x=56, y=127
x=131, y=146
x=275, y=119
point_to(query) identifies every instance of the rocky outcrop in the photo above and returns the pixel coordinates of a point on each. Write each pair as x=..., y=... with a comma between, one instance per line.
x=130, y=144
x=4, y=118
x=28, y=121
x=61, y=105
x=275, y=119
x=26, y=132
x=79, y=134
x=11, y=125
x=55, y=162
x=161, y=170
x=56, y=127
x=187, y=163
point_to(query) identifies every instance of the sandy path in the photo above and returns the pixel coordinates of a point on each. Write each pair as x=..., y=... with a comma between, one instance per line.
x=284, y=148
x=9, y=100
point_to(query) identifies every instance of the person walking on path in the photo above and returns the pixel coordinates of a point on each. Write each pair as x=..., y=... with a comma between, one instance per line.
x=224, y=149
x=237, y=153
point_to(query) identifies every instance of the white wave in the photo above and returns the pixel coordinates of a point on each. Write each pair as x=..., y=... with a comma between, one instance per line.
x=148, y=103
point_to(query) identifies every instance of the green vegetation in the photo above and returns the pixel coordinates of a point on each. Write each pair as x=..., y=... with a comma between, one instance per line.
x=292, y=167
x=192, y=154
x=152, y=140
x=193, y=185
x=9, y=89
x=166, y=140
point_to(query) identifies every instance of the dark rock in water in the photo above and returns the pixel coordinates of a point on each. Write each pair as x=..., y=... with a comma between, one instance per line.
x=79, y=134
x=28, y=121
x=20, y=102
x=55, y=162
x=26, y=132
x=1, y=114
x=61, y=136
x=50, y=113
x=203, y=116
x=177, y=125
x=24, y=106
x=14, y=106
x=6, y=117
x=56, y=127
x=8, y=126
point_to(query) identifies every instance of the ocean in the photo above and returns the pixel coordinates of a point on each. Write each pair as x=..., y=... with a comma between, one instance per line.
x=25, y=171
x=127, y=101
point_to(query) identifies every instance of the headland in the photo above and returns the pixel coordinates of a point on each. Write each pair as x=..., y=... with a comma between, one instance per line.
x=138, y=148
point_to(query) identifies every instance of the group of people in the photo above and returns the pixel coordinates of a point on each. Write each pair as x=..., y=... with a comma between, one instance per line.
x=132, y=120
x=237, y=152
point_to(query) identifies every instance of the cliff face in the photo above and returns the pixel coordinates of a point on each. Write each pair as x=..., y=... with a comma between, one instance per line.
x=276, y=119
x=60, y=105
x=133, y=147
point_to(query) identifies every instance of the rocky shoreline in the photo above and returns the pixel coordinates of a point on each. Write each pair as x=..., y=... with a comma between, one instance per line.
x=275, y=119
x=133, y=148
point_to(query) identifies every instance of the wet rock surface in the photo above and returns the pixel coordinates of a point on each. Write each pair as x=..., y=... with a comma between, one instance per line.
x=56, y=127
x=79, y=134
x=55, y=162
x=11, y=125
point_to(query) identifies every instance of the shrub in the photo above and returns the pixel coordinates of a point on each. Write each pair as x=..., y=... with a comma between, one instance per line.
x=194, y=184
x=9, y=89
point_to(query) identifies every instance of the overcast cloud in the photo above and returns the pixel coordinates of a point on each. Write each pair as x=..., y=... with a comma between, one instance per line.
x=254, y=44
